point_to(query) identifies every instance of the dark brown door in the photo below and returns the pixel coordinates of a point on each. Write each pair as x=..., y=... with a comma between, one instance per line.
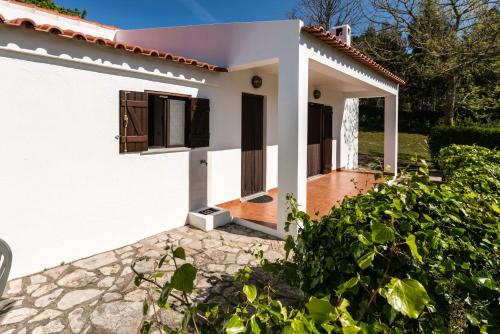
x=327, y=139
x=252, y=144
x=314, y=138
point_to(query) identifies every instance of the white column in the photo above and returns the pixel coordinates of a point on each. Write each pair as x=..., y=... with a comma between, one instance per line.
x=391, y=134
x=292, y=133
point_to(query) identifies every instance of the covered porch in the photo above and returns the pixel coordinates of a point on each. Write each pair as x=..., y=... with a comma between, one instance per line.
x=323, y=192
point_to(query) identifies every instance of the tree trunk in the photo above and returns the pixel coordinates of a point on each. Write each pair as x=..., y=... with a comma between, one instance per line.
x=451, y=96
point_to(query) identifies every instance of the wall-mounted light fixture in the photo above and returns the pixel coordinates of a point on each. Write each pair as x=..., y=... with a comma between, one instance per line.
x=256, y=81
x=316, y=94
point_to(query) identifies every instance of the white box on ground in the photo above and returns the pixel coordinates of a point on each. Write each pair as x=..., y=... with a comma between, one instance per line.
x=208, y=218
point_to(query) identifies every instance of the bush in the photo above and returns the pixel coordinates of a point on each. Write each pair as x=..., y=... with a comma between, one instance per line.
x=410, y=254
x=443, y=136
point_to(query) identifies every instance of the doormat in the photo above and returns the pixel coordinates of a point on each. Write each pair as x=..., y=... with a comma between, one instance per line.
x=261, y=199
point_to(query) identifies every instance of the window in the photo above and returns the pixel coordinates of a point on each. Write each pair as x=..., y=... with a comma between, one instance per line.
x=167, y=121
x=157, y=119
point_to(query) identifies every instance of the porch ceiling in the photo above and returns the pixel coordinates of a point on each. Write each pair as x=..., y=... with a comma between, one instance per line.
x=321, y=75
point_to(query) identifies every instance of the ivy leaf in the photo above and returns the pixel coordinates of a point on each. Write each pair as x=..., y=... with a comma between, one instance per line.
x=319, y=309
x=250, y=291
x=349, y=284
x=145, y=307
x=234, y=325
x=183, y=278
x=407, y=296
x=382, y=233
x=180, y=253
x=254, y=324
x=366, y=260
x=410, y=241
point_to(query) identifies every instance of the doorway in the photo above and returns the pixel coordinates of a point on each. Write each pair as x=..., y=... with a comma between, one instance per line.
x=252, y=144
x=319, y=139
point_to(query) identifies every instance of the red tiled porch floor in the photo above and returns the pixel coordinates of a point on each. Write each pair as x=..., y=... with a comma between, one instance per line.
x=323, y=192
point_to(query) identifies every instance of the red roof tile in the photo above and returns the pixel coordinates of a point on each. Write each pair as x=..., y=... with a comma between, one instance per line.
x=333, y=41
x=47, y=28
x=55, y=12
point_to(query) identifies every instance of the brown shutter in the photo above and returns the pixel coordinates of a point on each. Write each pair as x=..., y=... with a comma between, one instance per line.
x=327, y=139
x=199, y=135
x=133, y=121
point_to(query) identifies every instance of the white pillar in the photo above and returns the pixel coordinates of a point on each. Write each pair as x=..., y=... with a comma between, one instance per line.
x=292, y=133
x=391, y=134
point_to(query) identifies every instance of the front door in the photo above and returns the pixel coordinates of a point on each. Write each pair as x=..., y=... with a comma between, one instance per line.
x=314, y=138
x=252, y=144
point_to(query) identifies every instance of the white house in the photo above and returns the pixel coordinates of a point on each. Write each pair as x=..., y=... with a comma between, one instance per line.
x=112, y=135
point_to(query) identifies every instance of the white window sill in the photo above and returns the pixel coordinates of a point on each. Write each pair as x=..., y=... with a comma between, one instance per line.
x=165, y=150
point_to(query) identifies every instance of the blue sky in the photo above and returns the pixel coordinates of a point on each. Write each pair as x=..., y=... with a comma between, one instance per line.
x=128, y=14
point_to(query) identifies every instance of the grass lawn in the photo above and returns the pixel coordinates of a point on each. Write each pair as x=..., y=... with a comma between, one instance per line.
x=372, y=144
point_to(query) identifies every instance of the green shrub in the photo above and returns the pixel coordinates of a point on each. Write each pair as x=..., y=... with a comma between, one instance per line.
x=410, y=254
x=443, y=136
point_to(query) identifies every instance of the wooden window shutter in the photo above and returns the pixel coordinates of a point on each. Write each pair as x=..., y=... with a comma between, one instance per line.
x=199, y=135
x=133, y=121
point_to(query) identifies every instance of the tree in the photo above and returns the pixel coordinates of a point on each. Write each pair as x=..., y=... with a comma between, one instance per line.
x=49, y=4
x=328, y=13
x=447, y=39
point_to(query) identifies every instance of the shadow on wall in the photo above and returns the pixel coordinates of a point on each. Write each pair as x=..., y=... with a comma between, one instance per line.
x=350, y=123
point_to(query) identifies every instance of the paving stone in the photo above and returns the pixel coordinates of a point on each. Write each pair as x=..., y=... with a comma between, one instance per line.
x=76, y=297
x=52, y=327
x=15, y=287
x=54, y=273
x=216, y=267
x=96, y=261
x=17, y=315
x=135, y=296
x=125, y=249
x=43, y=290
x=111, y=296
x=32, y=288
x=47, y=314
x=22, y=331
x=106, y=282
x=37, y=279
x=111, y=270
x=228, y=249
x=126, y=255
x=47, y=299
x=244, y=258
x=77, y=279
x=211, y=243
x=9, y=331
x=118, y=317
x=76, y=320
x=127, y=270
x=232, y=269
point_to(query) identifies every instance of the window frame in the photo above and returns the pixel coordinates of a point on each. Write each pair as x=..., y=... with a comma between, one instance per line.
x=166, y=108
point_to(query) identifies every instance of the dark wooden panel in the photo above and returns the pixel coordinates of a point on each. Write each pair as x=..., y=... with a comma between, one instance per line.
x=252, y=144
x=314, y=139
x=327, y=139
x=199, y=127
x=133, y=121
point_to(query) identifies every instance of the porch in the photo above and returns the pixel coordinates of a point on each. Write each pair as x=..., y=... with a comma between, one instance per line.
x=323, y=192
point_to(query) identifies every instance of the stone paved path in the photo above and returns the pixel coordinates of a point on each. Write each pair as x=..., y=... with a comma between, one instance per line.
x=97, y=294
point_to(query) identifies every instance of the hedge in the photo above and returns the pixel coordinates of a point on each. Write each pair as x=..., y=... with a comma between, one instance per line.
x=443, y=136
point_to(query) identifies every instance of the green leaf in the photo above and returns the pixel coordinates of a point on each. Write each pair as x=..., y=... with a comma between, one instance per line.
x=234, y=325
x=410, y=241
x=250, y=291
x=180, y=253
x=382, y=233
x=366, y=260
x=254, y=324
x=183, y=278
x=319, y=309
x=349, y=284
x=145, y=307
x=407, y=296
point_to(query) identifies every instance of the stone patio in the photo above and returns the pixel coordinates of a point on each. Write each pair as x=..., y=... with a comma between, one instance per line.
x=98, y=295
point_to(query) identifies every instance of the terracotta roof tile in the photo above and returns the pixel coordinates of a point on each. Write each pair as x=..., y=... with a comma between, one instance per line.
x=70, y=34
x=333, y=41
x=55, y=12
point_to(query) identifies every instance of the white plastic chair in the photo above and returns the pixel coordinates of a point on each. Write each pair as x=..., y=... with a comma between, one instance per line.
x=5, y=264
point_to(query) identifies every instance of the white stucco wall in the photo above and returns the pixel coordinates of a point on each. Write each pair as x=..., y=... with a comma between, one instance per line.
x=65, y=190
